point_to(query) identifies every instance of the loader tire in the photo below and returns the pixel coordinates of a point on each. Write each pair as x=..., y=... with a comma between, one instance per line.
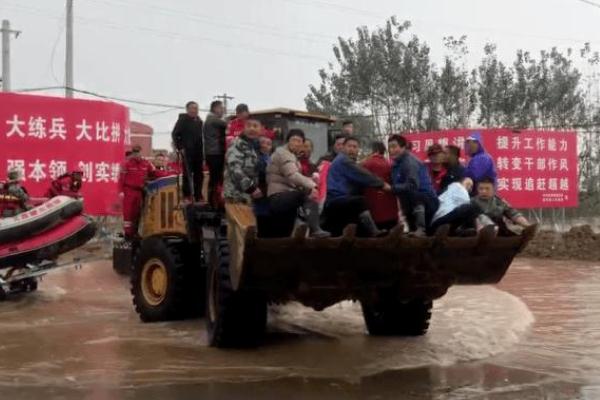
x=165, y=285
x=234, y=318
x=395, y=318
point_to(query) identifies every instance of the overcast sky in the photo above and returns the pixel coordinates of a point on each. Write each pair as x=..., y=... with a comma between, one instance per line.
x=263, y=52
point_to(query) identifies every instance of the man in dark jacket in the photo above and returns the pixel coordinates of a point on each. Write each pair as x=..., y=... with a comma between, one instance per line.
x=412, y=185
x=346, y=181
x=455, y=171
x=187, y=138
x=214, y=149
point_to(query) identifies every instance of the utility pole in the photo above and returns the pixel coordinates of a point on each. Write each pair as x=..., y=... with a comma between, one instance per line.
x=69, y=51
x=6, y=32
x=224, y=99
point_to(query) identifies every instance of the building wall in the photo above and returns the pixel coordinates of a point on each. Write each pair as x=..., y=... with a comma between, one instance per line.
x=141, y=134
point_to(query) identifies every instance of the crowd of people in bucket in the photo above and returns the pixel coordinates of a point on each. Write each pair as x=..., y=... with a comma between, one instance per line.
x=388, y=185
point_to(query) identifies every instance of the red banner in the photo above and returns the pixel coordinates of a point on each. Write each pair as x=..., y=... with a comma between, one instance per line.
x=45, y=137
x=536, y=169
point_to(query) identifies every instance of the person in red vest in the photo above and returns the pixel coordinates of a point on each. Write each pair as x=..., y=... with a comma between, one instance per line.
x=383, y=205
x=134, y=175
x=237, y=125
x=436, y=166
x=68, y=184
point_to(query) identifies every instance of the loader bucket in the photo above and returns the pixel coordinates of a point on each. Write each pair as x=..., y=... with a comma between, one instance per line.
x=321, y=272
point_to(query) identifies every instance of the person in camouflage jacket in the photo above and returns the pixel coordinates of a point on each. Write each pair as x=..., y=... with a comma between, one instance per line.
x=241, y=183
x=497, y=209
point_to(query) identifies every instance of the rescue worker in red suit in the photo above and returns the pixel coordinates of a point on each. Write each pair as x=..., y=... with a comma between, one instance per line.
x=383, y=205
x=68, y=184
x=134, y=175
x=237, y=125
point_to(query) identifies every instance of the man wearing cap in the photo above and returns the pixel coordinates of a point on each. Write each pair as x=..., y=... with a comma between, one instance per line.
x=289, y=189
x=237, y=125
x=133, y=177
x=481, y=165
x=435, y=166
x=187, y=138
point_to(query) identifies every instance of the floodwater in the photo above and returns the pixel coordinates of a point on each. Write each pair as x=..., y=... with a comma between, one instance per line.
x=535, y=336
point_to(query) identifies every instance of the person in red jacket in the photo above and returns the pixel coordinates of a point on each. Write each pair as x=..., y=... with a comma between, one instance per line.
x=134, y=175
x=308, y=168
x=237, y=125
x=162, y=168
x=383, y=205
x=68, y=184
x=436, y=166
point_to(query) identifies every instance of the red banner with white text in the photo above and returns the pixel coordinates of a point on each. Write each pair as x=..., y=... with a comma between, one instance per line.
x=45, y=137
x=536, y=169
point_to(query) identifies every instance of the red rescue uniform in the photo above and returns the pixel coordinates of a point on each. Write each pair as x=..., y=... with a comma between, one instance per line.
x=65, y=185
x=133, y=177
x=382, y=205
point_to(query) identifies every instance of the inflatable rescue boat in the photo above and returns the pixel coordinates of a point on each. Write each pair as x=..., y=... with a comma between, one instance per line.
x=32, y=241
x=39, y=219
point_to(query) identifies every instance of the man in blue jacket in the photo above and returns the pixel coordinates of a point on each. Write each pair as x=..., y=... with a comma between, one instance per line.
x=412, y=185
x=481, y=165
x=345, y=203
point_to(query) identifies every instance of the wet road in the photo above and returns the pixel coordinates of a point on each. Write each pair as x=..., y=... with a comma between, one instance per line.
x=536, y=336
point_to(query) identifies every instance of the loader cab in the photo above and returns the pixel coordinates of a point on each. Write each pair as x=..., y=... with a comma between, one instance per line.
x=316, y=127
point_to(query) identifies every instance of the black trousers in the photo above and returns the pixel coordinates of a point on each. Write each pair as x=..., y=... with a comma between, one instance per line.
x=341, y=212
x=464, y=215
x=216, y=166
x=412, y=198
x=283, y=209
x=195, y=163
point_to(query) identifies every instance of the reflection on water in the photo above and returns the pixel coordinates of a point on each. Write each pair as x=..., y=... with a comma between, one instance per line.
x=535, y=338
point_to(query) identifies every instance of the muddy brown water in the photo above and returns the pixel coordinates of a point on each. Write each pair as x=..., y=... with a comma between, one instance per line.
x=535, y=336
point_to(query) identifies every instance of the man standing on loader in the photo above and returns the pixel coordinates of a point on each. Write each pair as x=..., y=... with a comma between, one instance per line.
x=133, y=177
x=187, y=137
x=214, y=150
x=241, y=183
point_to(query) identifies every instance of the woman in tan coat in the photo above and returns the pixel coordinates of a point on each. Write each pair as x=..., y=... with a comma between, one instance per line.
x=289, y=190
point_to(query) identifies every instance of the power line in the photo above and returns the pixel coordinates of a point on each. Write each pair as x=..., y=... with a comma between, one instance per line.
x=175, y=35
x=208, y=19
x=107, y=97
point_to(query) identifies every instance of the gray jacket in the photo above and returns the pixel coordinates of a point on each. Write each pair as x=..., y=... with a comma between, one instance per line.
x=214, y=135
x=283, y=174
